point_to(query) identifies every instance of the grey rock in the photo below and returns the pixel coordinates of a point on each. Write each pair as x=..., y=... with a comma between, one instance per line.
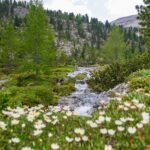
x=83, y=100
x=129, y=21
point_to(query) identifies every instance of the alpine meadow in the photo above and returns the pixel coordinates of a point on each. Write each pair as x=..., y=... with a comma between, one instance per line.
x=69, y=81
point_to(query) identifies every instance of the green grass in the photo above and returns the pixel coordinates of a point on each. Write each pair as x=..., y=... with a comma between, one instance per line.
x=27, y=88
x=61, y=123
x=140, y=80
x=81, y=76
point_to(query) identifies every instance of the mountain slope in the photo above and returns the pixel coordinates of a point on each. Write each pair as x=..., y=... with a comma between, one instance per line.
x=129, y=21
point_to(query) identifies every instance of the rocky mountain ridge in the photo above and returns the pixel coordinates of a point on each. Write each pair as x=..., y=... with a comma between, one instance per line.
x=128, y=21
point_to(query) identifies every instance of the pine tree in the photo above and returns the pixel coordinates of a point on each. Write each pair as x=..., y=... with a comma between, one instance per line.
x=8, y=45
x=144, y=16
x=115, y=47
x=39, y=38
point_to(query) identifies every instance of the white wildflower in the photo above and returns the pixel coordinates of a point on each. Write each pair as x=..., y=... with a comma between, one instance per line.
x=103, y=131
x=120, y=106
x=118, y=122
x=54, y=122
x=77, y=139
x=108, y=147
x=69, y=140
x=69, y=113
x=54, y=146
x=101, y=119
x=132, y=130
x=15, y=140
x=39, y=125
x=146, y=118
x=123, y=120
x=15, y=115
x=2, y=125
x=127, y=104
x=85, y=138
x=129, y=119
x=108, y=119
x=23, y=125
x=89, y=122
x=37, y=132
x=141, y=106
x=79, y=131
x=65, y=117
x=125, y=108
x=102, y=112
x=139, y=125
x=50, y=135
x=15, y=122
x=111, y=132
x=93, y=125
x=120, y=128
x=26, y=148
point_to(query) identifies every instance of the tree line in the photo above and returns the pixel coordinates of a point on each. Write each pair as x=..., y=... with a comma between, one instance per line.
x=96, y=49
x=30, y=47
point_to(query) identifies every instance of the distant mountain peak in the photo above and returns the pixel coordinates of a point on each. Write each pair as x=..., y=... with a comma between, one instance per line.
x=128, y=21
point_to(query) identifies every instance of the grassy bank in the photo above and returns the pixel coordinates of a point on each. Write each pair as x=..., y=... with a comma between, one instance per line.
x=30, y=89
x=122, y=124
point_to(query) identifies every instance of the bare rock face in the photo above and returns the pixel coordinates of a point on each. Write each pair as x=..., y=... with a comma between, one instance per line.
x=20, y=12
x=129, y=21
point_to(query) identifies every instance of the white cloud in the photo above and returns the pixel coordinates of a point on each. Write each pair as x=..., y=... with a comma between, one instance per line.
x=120, y=8
x=75, y=6
x=101, y=9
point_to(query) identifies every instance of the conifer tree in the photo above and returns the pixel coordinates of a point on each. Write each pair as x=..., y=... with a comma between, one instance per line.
x=144, y=16
x=115, y=47
x=39, y=38
x=8, y=45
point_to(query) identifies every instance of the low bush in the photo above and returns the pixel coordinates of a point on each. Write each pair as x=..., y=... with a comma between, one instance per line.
x=4, y=99
x=30, y=96
x=65, y=88
x=117, y=73
x=140, y=80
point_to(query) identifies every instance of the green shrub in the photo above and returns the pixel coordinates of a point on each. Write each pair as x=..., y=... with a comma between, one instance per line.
x=23, y=77
x=81, y=76
x=141, y=73
x=28, y=79
x=30, y=96
x=140, y=82
x=4, y=99
x=65, y=88
x=117, y=73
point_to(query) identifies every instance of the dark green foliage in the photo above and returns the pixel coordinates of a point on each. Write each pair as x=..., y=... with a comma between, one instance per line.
x=4, y=100
x=30, y=96
x=28, y=88
x=115, y=47
x=65, y=88
x=38, y=39
x=144, y=16
x=140, y=80
x=92, y=32
x=117, y=73
x=142, y=83
x=8, y=45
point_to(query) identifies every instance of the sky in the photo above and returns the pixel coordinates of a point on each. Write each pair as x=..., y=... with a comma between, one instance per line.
x=101, y=9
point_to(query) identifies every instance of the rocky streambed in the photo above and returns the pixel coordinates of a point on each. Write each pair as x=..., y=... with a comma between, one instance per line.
x=84, y=101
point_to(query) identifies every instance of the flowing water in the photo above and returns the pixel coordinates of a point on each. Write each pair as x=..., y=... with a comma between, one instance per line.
x=84, y=101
